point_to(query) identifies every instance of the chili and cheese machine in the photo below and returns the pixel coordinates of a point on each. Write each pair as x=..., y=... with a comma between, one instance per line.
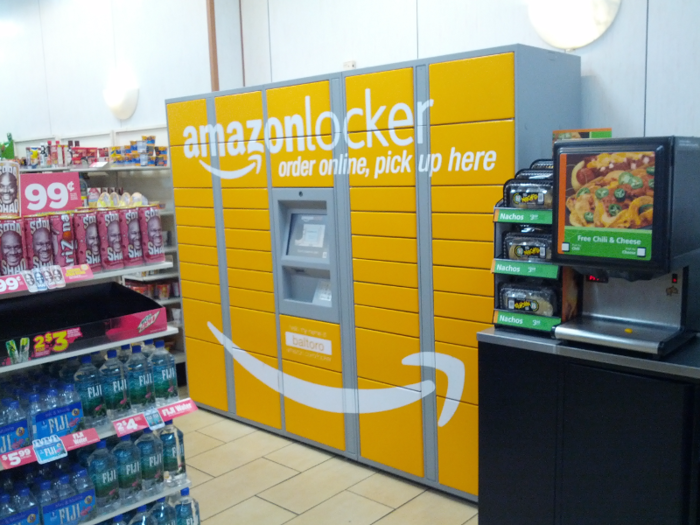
x=626, y=218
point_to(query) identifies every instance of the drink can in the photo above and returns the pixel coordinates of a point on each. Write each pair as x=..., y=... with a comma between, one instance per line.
x=62, y=238
x=131, y=236
x=39, y=244
x=110, y=234
x=13, y=257
x=152, y=234
x=87, y=238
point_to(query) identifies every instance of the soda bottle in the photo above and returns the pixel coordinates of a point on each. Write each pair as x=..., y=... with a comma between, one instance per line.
x=102, y=466
x=164, y=375
x=114, y=386
x=128, y=470
x=174, y=470
x=162, y=514
x=187, y=509
x=88, y=381
x=151, y=463
x=140, y=380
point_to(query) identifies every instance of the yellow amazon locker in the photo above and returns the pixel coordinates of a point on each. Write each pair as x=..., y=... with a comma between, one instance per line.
x=254, y=399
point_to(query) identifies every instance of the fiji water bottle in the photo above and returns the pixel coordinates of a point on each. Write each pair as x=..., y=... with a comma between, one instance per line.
x=50, y=398
x=102, y=466
x=141, y=516
x=114, y=386
x=174, y=470
x=140, y=380
x=148, y=348
x=128, y=470
x=23, y=500
x=80, y=480
x=118, y=520
x=69, y=369
x=45, y=497
x=151, y=462
x=124, y=353
x=64, y=489
x=88, y=381
x=33, y=409
x=164, y=375
x=162, y=514
x=187, y=509
x=6, y=509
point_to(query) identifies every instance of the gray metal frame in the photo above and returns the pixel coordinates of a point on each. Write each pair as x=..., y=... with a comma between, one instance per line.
x=547, y=97
x=289, y=201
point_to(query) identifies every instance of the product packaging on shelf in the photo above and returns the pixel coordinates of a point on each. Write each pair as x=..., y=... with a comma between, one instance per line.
x=110, y=239
x=87, y=239
x=9, y=187
x=12, y=245
x=43, y=325
x=39, y=243
x=131, y=236
x=152, y=234
x=62, y=239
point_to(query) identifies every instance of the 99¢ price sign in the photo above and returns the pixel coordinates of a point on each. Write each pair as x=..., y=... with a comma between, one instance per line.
x=49, y=192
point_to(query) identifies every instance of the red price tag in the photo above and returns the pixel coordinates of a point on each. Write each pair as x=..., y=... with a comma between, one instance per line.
x=17, y=458
x=128, y=425
x=178, y=409
x=80, y=439
x=49, y=192
x=12, y=283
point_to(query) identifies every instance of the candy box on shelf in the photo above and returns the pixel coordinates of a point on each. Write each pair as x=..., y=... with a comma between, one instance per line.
x=63, y=321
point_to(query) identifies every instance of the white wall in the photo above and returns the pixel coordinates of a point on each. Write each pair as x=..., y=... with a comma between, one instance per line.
x=286, y=39
x=58, y=53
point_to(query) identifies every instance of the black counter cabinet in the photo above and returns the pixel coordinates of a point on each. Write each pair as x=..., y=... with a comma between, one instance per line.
x=576, y=437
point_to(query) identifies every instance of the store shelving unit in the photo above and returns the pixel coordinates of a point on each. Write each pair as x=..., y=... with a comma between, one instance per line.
x=166, y=302
x=151, y=278
x=169, y=491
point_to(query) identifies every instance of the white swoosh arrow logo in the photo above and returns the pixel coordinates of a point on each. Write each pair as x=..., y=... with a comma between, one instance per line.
x=342, y=400
x=235, y=174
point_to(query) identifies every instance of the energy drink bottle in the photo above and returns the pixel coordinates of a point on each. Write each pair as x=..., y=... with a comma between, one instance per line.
x=24, y=349
x=12, y=352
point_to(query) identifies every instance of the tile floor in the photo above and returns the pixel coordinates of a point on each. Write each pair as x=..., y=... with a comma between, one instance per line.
x=244, y=475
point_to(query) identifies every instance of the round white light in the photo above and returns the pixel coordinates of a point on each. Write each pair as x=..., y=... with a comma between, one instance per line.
x=570, y=24
x=121, y=93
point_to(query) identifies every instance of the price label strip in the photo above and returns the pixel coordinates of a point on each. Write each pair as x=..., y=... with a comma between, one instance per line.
x=17, y=458
x=154, y=417
x=130, y=424
x=49, y=449
x=80, y=439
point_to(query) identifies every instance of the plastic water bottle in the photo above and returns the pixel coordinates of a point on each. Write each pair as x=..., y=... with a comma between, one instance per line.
x=68, y=395
x=151, y=462
x=6, y=509
x=50, y=398
x=187, y=509
x=128, y=470
x=13, y=412
x=140, y=380
x=141, y=516
x=164, y=375
x=114, y=386
x=64, y=489
x=33, y=409
x=174, y=470
x=80, y=480
x=162, y=514
x=118, y=520
x=124, y=353
x=97, y=359
x=69, y=369
x=148, y=348
x=102, y=466
x=89, y=384
x=24, y=500
x=45, y=497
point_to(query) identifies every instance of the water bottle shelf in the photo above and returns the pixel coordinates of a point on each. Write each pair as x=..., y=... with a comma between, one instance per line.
x=172, y=330
x=169, y=491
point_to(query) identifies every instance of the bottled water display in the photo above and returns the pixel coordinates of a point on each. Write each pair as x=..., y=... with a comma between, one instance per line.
x=102, y=466
x=89, y=384
x=128, y=470
x=151, y=450
x=114, y=386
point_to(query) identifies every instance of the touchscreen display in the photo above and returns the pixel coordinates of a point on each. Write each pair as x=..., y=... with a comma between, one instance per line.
x=606, y=204
x=308, y=236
